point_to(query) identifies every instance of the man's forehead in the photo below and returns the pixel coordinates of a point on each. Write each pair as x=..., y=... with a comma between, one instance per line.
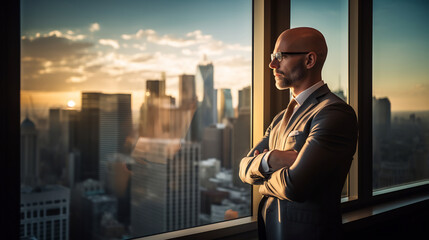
x=284, y=43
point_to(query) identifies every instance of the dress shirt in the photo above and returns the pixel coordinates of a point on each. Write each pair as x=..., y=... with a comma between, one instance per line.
x=300, y=99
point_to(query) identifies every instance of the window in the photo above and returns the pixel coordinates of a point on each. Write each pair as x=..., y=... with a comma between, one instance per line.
x=331, y=18
x=389, y=55
x=138, y=113
x=400, y=99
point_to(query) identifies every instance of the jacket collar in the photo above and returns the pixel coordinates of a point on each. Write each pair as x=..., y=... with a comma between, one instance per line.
x=306, y=106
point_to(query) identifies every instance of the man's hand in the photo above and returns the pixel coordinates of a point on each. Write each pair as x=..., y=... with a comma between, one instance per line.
x=280, y=159
x=256, y=152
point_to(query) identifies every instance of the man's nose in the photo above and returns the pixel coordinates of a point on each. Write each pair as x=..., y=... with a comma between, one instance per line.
x=274, y=64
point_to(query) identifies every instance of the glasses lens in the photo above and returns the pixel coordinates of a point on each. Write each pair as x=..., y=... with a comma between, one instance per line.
x=277, y=55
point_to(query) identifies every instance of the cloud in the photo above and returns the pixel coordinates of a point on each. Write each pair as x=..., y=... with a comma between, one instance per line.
x=139, y=34
x=49, y=61
x=140, y=47
x=62, y=61
x=94, y=27
x=109, y=42
x=53, y=47
x=68, y=35
x=142, y=57
x=192, y=38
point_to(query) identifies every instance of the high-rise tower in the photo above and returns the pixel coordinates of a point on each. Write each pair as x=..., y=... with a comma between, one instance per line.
x=89, y=135
x=115, y=127
x=205, y=114
x=164, y=186
x=29, y=164
x=224, y=104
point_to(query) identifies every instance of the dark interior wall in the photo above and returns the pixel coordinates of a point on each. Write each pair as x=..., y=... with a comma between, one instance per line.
x=9, y=119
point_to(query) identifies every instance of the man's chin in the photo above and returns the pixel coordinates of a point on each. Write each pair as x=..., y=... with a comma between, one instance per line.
x=281, y=85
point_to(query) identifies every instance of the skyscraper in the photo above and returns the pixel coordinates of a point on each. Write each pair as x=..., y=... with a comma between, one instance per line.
x=29, y=163
x=149, y=110
x=89, y=135
x=381, y=116
x=161, y=118
x=115, y=127
x=217, y=144
x=224, y=104
x=241, y=134
x=205, y=114
x=204, y=77
x=62, y=142
x=164, y=186
x=104, y=127
x=187, y=90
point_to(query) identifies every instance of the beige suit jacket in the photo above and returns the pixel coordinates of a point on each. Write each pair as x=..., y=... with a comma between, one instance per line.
x=303, y=201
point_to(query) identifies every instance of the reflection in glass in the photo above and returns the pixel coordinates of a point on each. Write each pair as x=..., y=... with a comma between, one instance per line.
x=132, y=125
x=400, y=99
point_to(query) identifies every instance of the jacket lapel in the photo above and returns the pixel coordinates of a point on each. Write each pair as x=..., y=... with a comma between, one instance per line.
x=309, y=103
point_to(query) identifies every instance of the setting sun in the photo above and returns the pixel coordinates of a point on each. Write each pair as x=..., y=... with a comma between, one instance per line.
x=71, y=104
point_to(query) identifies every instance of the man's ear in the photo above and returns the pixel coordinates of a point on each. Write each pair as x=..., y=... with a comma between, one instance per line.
x=310, y=60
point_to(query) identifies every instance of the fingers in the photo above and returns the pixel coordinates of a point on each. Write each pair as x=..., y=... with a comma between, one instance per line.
x=255, y=153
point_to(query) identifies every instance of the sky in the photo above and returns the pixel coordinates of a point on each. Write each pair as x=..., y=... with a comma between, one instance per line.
x=115, y=46
x=331, y=19
x=400, y=49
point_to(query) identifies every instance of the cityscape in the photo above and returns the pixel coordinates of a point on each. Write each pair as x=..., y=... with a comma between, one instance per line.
x=158, y=110
x=400, y=145
x=90, y=174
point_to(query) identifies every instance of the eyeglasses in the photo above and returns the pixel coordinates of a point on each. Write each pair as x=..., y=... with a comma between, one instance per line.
x=279, y=55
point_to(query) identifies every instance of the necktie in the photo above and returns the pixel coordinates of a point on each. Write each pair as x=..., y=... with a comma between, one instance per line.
x=289, y=112
x=284, y=122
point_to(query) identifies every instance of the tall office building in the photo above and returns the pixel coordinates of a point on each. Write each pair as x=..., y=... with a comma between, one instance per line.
x=149, y=110
x=45, y=212
x=205, y=115
x=63, y=129
x=155, y=88
x=187, y=91
x=381, y=116
x=217, y=144
x=29, y=161
x=104, y=126
x=241, y=134
x=89, y=136
x=115, y=128
x=55, y=134
x=62, y=141
x=224, y=104
x=161, y=118
x=164, y=186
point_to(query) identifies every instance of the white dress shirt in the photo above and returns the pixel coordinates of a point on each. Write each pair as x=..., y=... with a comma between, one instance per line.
x=300, y=99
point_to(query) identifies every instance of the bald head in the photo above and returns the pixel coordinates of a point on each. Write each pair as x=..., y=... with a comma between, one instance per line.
x=304, y=39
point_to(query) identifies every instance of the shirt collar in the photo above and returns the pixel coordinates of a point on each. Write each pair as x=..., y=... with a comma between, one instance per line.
x=300, y=99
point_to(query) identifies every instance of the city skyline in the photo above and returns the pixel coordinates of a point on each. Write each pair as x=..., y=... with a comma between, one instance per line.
x=111, y=52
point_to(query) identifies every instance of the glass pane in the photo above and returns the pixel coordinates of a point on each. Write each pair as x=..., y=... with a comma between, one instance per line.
x=400, y=99
x=331, y=19
x=134, y=116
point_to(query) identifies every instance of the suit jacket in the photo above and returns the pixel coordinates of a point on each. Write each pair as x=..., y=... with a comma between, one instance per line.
x=303, y=201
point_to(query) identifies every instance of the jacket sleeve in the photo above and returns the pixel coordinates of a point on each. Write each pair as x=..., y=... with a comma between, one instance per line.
x=327, y=152
x=250, y=166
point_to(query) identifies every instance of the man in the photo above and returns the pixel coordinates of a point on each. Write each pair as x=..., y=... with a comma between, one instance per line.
x=302, y=161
